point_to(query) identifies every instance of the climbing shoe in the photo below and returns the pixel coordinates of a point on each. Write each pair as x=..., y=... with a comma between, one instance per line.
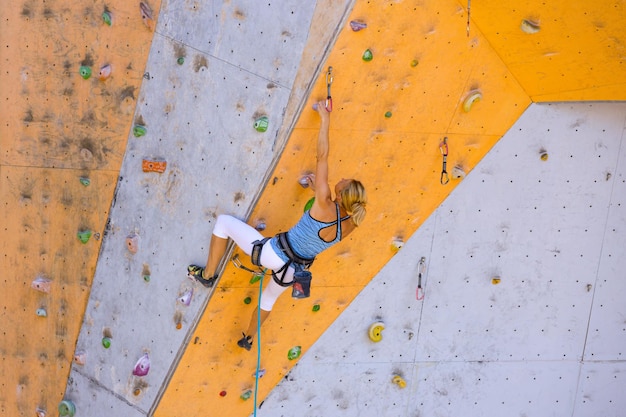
x=245, y=342
x=197, y=272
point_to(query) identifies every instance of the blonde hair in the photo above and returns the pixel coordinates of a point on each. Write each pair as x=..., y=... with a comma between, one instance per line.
x=353, y=200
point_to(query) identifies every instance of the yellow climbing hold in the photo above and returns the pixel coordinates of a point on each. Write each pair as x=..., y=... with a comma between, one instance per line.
x=399, y=381
x=473, y=97
x=530, y=26
x=375, y=331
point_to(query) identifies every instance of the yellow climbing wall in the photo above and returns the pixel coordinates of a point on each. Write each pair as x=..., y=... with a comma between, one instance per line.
x=389, y=117
x=62, y=139
x=574, y=50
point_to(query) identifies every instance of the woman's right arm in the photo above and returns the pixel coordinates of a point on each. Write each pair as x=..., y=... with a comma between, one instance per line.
x=323, y=196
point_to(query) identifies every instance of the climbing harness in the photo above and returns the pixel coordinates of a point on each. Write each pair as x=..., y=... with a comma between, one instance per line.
x=329, y=81
x=443, y=147
x=421, y=270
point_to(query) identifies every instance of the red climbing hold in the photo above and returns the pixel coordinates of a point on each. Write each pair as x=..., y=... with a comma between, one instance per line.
x=154, y=166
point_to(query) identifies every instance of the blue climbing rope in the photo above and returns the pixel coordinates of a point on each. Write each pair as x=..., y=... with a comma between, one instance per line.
x=258, y=342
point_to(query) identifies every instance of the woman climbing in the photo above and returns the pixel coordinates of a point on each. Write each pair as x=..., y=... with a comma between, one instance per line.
x=290, y=254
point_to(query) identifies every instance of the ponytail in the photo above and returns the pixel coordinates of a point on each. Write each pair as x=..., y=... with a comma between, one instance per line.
x=354, y=200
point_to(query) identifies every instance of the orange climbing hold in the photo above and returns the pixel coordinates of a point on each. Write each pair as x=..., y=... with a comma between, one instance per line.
x=132, y=243
x=154, y=166
x=105, y=72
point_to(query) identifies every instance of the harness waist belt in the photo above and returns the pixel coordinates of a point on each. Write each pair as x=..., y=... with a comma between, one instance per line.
x=283, y=243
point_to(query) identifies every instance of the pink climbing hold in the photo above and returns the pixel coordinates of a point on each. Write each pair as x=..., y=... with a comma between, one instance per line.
x=105, y=72
x=41, y=284
x=185, y=299
x=357, y=25
x=142, y=367
x=132, y=243
x=80, y=358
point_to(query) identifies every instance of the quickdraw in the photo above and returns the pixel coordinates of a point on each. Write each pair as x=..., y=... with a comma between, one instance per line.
x=421, y=270
x=443, y=147
x=329, y=81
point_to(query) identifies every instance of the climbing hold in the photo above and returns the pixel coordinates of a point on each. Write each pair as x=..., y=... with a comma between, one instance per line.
x=41, y=284
x=495, y=280
x=375, y=331
x=458, y=172
x=40, y=412
x=105, y=72
x=397, y=244
x=261, y=124
x=85, y=181
x=145, y=272
x=41, y=312
x=136, y=392
x=414, y=63
x=180, y=60
x=256, y=277
x=222, y=393
x=84, y=235
x=85, y=72
x=107, y=18
x=367, y=55
x=316, y=307
x=80, y=357
x=67, y=408
x=139, y=131
x=179, y=325
x=185, y=299
x=473, y=96
x=158, y=166
x=530, y=26
x=294, y=353
x=309, y=204
x=106, y=342
x=543, y=154
x=246, y=394
x=388, y=114
x=260, y=226
x=146, y=15
x=132, y=243
x=399, y=381
x=142, y=367
x=307, y=179
x=357, y=25
x=247, y=300
x=260, y=373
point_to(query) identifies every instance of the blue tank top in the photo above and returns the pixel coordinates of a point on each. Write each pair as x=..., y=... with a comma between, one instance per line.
x=305, y=239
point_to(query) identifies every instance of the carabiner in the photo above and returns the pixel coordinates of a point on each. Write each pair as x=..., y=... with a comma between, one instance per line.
x=329, y=81
x=421, y=270
x=443, y=147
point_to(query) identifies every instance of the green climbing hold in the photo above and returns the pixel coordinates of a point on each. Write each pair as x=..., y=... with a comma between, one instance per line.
x=247, y=300
x=246, y=395
x=85, y=72
x=67, y=408
x=316, y=307
x=84, y=236
x=106, y=18
x=106, y=342
x=414, y=63
x=309, y=204
x=181, y=60
x=261, y=124
x=367, y=55
x=294, y=353
x=85, y=181
x=139, y=131
x=146, y=278
x=388, y=114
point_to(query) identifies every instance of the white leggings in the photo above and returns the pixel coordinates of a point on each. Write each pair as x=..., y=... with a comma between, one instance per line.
x=244, y=235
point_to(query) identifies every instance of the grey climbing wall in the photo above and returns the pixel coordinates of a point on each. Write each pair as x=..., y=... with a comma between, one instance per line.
x=193, y=152
x=523, y=309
